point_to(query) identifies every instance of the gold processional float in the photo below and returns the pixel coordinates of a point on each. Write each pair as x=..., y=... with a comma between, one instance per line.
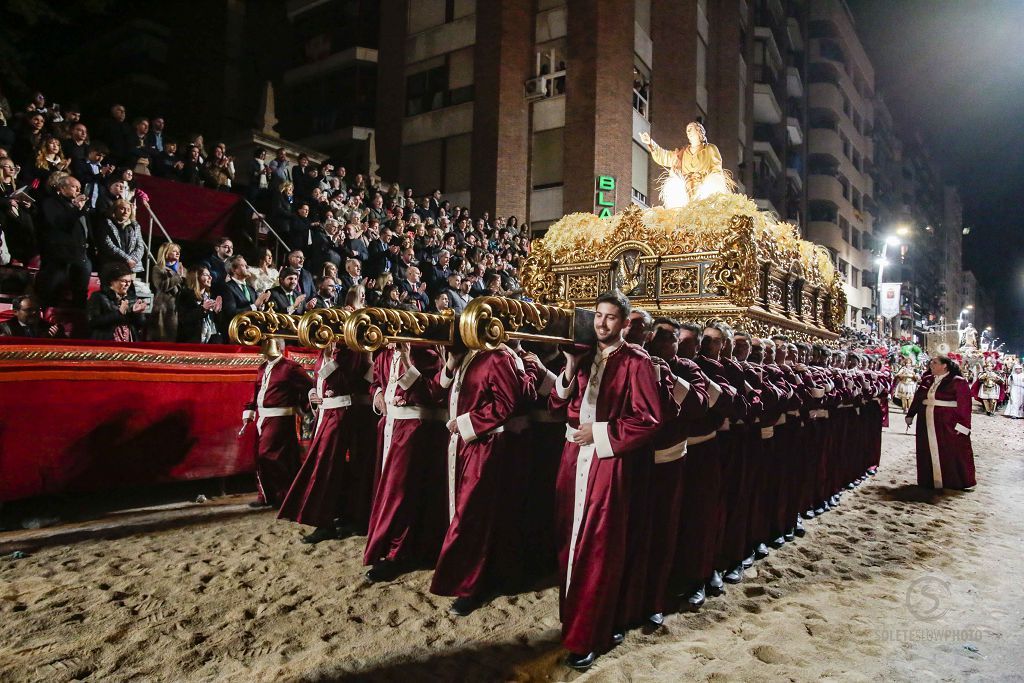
x=708, y=254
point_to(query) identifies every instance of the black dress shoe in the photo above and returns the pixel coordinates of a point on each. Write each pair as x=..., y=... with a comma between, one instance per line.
x=734, y=575
x=259, y=504
x=809, y=514
x=384, y=571
x=834, y=501
x=778, y=542
x=715, y=586
x=872, y=471
x=657, y=618
x=580, y=662
x=618, y=637
x=321, y=533
x=799, y=528
x=462, y=607
x=695, y=600
x=790, y=536
x=761, y=552
x=748, y=562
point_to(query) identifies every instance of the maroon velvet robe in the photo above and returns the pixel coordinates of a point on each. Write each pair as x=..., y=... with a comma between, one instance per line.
x=617, y=392
x=282, y=386
x=408, y=518
x=317, y=495
x=945, y=458
x=689, y=401
x=479, y=553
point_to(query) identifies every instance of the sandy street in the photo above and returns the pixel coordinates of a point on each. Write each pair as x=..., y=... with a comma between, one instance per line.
x=897, y=584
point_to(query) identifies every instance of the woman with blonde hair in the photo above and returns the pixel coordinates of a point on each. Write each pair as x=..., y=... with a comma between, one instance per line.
x=167, y=279
x=197, y=310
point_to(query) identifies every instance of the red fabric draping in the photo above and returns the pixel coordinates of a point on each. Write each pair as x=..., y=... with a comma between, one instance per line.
x=72, y=418
x=189, y=212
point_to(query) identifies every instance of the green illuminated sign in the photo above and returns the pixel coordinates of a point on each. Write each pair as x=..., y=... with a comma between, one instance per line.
x=604, y=196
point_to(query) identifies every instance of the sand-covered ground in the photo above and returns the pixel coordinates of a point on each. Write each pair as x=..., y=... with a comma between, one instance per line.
x=897, y=584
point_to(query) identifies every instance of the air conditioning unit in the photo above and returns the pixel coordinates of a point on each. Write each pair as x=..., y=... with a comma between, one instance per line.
x=537, y=88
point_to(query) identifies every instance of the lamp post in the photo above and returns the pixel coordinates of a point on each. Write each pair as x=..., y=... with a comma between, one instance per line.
x=882, y=262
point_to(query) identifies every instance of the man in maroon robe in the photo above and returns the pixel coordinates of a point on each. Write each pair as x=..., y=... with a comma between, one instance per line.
x=408, y=519
x=610, y=398
x=479, y=555
x=945, y=459
x=688, y=395
x=280, y=392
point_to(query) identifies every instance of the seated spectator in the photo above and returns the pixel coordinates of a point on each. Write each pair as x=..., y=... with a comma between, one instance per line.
x=167, y=163
x=219, y=169
x=236, y=294
x=414, y=291
x=458, y=292
x=217, y=262
x=375, y=288
x=436, y=274
x=121, y=239
x=492, y=285
x=353, y=274
x=168, y=279
x=391, y=297
x=263, y=275
x=440, y=303
x=49, y=160
x=27, y=321
x=16, y=222
x=197, y=311
x=92, y=172
x=114, y=312
x=296, y=260
x=285, y=297
x=326, y=295
x=355, y=298
x=330, y=270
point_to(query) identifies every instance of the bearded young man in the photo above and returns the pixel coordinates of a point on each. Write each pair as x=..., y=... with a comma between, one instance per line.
x=610, y=398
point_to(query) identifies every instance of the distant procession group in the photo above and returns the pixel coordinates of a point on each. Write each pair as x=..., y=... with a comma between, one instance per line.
x=644, y=472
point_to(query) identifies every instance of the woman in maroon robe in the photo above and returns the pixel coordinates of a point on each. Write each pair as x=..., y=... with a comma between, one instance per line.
x=317, y=495
x=944, y=455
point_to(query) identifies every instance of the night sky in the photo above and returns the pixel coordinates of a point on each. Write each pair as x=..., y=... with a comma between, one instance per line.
x=954, y=69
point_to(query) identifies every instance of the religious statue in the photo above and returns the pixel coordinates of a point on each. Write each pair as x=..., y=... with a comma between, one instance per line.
x=693, y=172
x=969, y=337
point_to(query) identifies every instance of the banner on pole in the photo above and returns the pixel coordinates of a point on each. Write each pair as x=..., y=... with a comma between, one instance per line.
x=889, y=299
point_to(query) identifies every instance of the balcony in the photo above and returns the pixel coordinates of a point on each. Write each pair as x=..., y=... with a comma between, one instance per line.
x=766, y=107
x=826, y=189
x=825, y=142
x=825, y=96
x=794, y=84
x=767, y=36
x=825, y=233
x=794, y=178
x=794, y=131
x=794, y=34
x=771, y=159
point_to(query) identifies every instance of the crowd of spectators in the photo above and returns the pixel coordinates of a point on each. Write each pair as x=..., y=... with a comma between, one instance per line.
x=68, y=203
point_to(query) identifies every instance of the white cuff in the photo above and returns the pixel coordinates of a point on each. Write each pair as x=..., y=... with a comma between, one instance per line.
x=817, y=393
x=311, y=394
x=602, y=443
x=465, y=426
x=963, y=430
x=680, y=390
x=547, y=384
x=714, y=392
x=446, y=379
x=562, y=390
x=374, y=400
x=408, y=378
x=248, y=414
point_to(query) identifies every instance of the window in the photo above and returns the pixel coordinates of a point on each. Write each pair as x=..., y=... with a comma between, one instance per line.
x=641, y=92
x=547, y=159
x=843, y=267
x=429, y=90
x=854, y=277
x=855, y=239
x=640, y=171
x=844, y=229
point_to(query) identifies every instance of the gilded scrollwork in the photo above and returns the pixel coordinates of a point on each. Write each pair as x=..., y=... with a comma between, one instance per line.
x=490, y=321
x=679, y=281
x=370, y=329
x=322, y=327
x=253, y=327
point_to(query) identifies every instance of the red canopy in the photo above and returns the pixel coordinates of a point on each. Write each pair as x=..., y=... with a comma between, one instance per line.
x=189, y=212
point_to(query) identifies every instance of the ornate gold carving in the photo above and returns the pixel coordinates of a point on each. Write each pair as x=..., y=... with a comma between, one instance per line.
x=490, y=321
x=677, y=281
x=50, y=354
x=735, y=271
x=370, y=329
x=252, y=327
x=539, y=281
x=582, y=286
x=321, y=327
